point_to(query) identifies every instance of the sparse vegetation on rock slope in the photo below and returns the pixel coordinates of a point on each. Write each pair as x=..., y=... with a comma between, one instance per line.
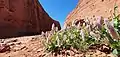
x=82, y=38
x=86, y=35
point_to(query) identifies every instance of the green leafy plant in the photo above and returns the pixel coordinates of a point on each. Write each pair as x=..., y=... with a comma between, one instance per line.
x=81, y=38
x=114, y=33
x=68, y=38
x=116, y=44
x=116, y=20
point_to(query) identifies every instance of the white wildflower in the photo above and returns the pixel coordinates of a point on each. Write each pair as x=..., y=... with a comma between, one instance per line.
x=42, y=33
x=73, y=23
x=53, y=26
x=82, y=34
x=64, y=37
x=93, y=34
x=56, y=29
x=78, y=26
x=58, y=41
x=99, y=22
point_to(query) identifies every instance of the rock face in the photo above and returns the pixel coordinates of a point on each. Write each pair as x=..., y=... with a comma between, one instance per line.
x=92, y=8
x=23, y=17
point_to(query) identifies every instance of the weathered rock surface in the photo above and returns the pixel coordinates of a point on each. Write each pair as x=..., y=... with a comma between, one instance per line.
x=92, y=8
x=23, y=17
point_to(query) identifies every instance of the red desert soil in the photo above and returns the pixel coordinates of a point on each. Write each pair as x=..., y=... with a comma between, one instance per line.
x=32, y=46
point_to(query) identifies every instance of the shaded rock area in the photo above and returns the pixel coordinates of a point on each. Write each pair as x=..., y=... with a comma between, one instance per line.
x=92, y=8
x=23, y=17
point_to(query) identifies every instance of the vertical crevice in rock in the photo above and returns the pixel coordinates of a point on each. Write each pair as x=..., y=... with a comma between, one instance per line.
x=37, y=15
x=11, y=7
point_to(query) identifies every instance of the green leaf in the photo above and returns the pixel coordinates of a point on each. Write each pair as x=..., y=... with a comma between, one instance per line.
x=115, y=52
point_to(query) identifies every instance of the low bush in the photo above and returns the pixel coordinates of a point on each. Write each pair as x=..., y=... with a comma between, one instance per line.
x=81, y=37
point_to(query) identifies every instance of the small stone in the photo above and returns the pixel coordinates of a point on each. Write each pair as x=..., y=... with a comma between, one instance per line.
x=68, y=51
x=103, y=54
x=72, y=53
x=33, y=39
x=39, y=50
x=19, y=47
x=110, y=55
x=94, y=55
x=76, y=55
x=11, y=44
x=12, y=40
x=4, y=47
x=18, y=43
x=2, y=40
x=87, y=55
x=23, y=47
x=98, y=52
x=74, y=50
x=16, y=49
x=60, y=55
x=29, y=50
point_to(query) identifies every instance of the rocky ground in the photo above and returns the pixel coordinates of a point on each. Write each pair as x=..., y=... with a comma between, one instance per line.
x=32, y=46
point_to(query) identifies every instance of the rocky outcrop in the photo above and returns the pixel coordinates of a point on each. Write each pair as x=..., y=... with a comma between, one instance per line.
x=23, y=17
x=91, y=8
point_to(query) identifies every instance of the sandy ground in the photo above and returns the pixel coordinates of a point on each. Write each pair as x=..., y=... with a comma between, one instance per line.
x=32, y=46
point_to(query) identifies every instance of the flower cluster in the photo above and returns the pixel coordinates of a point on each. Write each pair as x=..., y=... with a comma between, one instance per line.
x=82, y=34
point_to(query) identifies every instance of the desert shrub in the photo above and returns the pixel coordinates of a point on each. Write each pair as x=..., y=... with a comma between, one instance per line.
x=71, y=37
x=111, y=31
x=82, y=37
x=116, y=21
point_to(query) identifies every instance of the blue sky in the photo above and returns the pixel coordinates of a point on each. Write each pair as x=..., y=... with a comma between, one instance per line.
x=58, y=9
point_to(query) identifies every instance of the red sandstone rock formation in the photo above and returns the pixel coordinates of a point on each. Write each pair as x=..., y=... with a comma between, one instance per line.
x=21, y=17
x=91, y=8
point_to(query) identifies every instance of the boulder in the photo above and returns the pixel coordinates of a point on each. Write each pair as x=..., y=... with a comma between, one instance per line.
x=23, y=17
